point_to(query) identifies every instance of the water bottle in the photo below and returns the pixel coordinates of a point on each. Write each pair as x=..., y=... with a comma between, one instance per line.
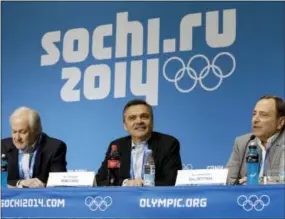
x=252, y=160
x=4, y=168
x=114, y=167
x=282, y=165
x=149, y=169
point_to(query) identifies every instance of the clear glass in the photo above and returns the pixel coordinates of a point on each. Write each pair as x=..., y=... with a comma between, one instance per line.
x=277, y=175
x=273, y=176
x=282, y=165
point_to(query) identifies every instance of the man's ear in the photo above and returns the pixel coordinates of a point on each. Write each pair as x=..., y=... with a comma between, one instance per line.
x=281, y=122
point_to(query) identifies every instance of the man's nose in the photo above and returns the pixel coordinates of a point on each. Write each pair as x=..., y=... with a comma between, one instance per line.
x=256, y=118
x=17, y=136
x=138, y=120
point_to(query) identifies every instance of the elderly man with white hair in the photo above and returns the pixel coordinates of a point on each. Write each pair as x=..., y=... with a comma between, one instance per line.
x=31, y=153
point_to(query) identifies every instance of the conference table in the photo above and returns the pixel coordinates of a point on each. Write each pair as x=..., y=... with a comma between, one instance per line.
x=261, y=201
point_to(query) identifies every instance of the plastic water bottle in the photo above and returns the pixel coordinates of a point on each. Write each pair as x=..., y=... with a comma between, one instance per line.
x=149, y=169
x=114, y=167
x=4, y=167
x=282, y=166
x=252, y=160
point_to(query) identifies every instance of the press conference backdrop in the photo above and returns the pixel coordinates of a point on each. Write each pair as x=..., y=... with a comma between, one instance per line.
x=201, y=65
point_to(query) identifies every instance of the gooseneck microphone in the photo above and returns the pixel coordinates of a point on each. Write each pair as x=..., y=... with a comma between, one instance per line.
x=252, y=137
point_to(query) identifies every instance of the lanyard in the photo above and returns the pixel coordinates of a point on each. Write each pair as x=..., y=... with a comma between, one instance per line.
x=132, y=171
x=31, y=166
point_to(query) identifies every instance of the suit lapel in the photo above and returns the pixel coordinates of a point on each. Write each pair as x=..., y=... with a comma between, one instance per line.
x=125, y=150
x=274, y=150
x=39, y=155
x=153, y=144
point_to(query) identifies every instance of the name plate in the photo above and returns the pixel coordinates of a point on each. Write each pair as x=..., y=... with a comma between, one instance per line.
x=202, y=177
x=72, y=179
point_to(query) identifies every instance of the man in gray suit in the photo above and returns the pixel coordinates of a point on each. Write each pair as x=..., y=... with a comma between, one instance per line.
x=268, y=128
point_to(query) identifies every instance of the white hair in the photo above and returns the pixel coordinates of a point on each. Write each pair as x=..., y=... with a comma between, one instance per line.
x=33, y=117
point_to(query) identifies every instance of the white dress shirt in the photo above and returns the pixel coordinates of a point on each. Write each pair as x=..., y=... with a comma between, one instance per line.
x=264, y=149
x=26, y=156
x=137, y=158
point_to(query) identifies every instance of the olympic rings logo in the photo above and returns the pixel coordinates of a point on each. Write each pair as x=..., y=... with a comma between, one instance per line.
x=253, y=202
x=198, y=77
x=98, y=203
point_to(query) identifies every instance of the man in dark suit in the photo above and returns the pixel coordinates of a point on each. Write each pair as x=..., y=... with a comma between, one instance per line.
x=138, y=122
x=30, y=153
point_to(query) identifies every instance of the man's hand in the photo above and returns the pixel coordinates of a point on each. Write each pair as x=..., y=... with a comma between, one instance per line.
x=32, y=183
x=242, y=181
x=135, y=182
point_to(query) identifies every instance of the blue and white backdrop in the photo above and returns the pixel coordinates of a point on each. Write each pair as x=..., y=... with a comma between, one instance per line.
x=201, y=65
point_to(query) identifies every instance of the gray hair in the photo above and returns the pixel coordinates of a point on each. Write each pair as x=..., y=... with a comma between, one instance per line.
x=33, y=117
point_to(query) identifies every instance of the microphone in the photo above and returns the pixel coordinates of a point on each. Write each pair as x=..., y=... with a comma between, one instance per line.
x=133, y=147
x=252, y=137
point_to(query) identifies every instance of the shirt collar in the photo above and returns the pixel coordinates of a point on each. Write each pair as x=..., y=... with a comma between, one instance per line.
x=142, y=143
x=139, y=145
x=30, y=149
x=269, y=142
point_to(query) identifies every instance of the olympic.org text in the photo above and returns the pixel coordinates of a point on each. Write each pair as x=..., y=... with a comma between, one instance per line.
x=173, y=203
x=33, y=203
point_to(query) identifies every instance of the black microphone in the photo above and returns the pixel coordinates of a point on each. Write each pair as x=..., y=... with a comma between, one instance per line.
x=252, y=137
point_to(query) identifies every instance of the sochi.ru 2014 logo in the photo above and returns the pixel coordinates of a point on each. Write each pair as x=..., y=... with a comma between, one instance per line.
x=98, y=203
x=253, y=202
x=119, y=69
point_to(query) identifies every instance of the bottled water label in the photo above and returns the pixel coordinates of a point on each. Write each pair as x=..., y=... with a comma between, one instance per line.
x=4, y=179
x=149, y=175
x=148, y=180
x=149, y=169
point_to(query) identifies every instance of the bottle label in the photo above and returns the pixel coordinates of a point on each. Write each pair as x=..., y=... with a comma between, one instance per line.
x=113, y=164
x=252, y=158
x=149, y=169
x=4, y=165
x=252, y=173
x=149, y=175
x=148, y=180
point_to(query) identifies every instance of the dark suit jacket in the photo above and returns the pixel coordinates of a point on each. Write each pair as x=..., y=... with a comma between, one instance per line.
x=166, y=153
x=51, y=157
